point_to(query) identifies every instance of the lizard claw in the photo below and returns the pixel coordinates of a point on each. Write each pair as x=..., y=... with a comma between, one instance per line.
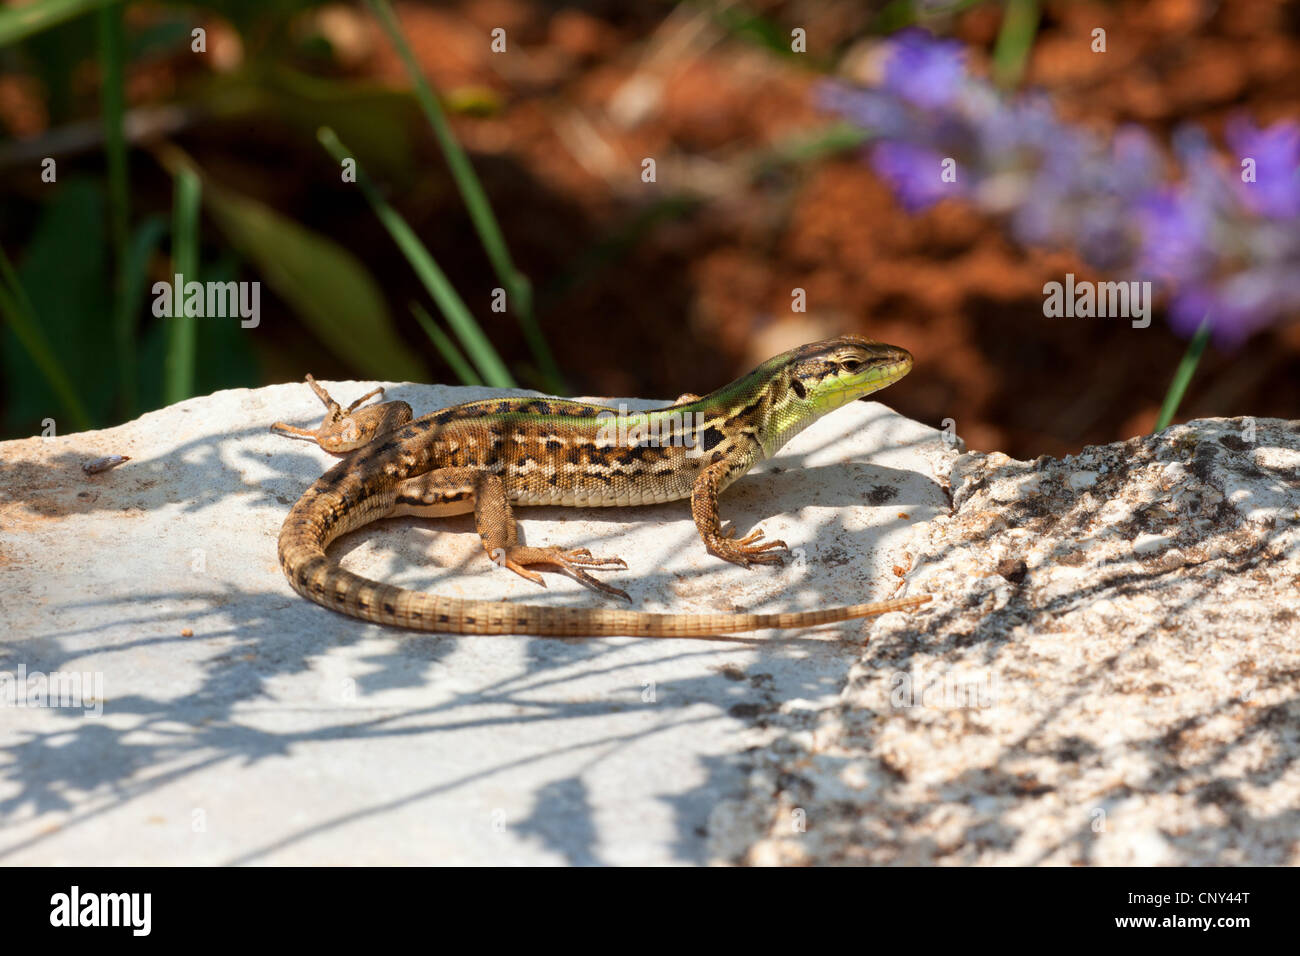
x=582, y=577
x=570, y=563
x=749, y=550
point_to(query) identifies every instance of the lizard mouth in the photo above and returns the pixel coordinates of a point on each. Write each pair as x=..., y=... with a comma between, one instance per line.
x=888, y=376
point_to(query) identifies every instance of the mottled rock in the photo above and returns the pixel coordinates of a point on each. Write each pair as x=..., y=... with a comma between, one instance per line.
x=1109, y=674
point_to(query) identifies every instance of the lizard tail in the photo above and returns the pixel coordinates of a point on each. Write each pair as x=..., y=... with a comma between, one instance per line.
x=314, y=522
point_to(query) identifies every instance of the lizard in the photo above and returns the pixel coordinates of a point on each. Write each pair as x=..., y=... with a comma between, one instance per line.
x=491, y=455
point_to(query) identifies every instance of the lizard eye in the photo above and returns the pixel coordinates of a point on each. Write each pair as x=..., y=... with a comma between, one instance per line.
x=851, y=365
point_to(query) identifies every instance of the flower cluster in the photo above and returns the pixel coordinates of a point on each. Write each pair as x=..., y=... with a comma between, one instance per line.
x=1223, y=239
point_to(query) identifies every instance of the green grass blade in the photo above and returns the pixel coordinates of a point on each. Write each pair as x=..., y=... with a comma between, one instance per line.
x=182, y=330
x=17, y=310
x=445, y=346
x=1183, y=376
x=752, y=27
x=453, y=308
x=1015, y=39
x=112, y=58
x=904, y=13
x=519, y=290
x=17, y=22
x=148, y=237
x=803, y=148
x=325, y=285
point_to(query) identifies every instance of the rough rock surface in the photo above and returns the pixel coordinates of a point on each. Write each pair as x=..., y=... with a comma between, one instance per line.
x=243, y=724
x=1109, y=674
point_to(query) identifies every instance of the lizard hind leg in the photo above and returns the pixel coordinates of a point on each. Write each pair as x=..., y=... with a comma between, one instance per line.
x=496, y=526
x=448, y=491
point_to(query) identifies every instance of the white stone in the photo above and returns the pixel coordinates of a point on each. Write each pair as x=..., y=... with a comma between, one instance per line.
x=1151, y=543
x=1083, y=479
x=297, y=735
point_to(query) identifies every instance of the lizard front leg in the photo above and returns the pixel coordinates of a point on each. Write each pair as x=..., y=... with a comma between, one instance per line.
x=751, y=549
x=344, y=430
x=457, y=490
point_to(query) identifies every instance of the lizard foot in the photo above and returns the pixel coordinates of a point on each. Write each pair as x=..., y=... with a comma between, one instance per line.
x=749, y=550
x=569, y=563
x=344, y=430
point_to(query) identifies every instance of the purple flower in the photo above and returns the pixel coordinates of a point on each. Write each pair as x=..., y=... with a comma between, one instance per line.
x=1236, y=307
x=1175, y=229
x=1025, y=125
x=1135, y=163
x=1193, y=305
x=924, y=70
x=1102, y=236
x=1222, y=248
x=914, y=173
x=1276, y=151
x=1191, y=144
x=880, y=115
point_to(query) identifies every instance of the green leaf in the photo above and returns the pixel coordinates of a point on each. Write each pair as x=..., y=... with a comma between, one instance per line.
x=441, y=290
x=519, y=290
x=363, y=112
x=65, y=274
x=226, y=347
x=1183, y=375
x=182, y=329
x=145, y=240
x=1015, y=41
x=112, y=92
x=229, y=360
x=327, y=286
x=26, y=19
x=446, y=347
x=903, y=13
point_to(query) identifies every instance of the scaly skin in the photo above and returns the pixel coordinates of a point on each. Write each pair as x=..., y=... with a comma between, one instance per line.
x=487, y=456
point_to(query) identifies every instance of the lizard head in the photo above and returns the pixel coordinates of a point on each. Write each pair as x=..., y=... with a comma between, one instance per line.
x=836, y=371
x=807, y=382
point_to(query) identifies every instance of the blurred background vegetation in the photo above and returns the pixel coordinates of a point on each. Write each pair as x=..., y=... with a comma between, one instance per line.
x=522, y=170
